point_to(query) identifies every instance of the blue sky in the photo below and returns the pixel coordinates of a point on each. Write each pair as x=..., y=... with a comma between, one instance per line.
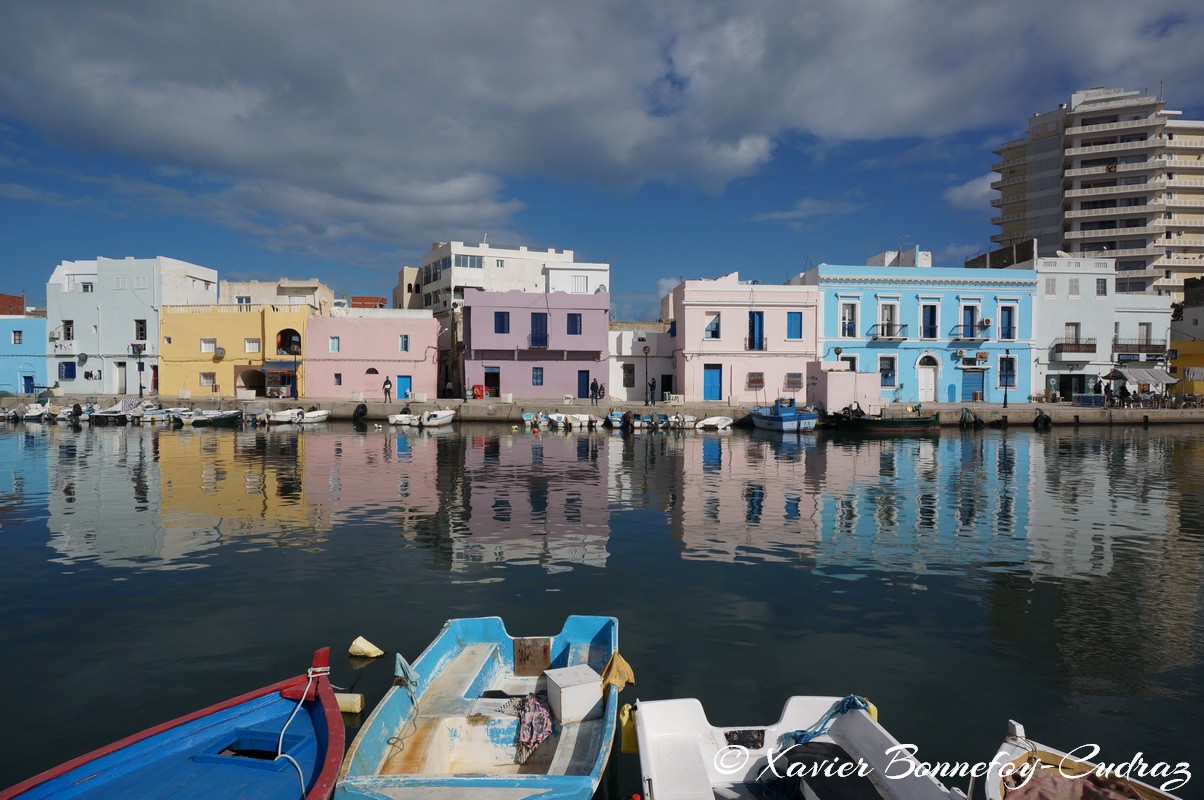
x=670, y=139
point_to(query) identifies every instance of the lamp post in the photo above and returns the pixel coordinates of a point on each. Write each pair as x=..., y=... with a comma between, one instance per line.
x=296, y=348
x=1007, y=355
x=138, y=353
x=647, y=350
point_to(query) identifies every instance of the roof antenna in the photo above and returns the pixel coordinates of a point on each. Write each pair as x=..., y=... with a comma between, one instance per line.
x=486, y=239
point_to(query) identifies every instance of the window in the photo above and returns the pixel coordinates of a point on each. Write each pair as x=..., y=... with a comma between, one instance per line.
x=141, y=282
x=208, y=379
x=851, y=361
x=755, y=380
x=403, y=342
x=338, y=379
x=119, y=282
x=1007, y=322
x=1051, y=287
x=166, y=340
x=712, y=328
x=794, y=324
x=139, y=330
x=18, y=337
x=848, y=320
x=794, y=381
x=888, y=320
x=469, y=262
x=501, y=264
x=208, y=345
x=1101, y=287
x=574, y=328
x=1073, y=291
x=66, y=370
x=250, y=345
x=87, y=288
x=243, y=300
x=629, y=376
x=1144, y=329
x=886, y=370
x=334, y=344
x=1007, y=372
x=1071, y=332
x=929, y=322
x=501, y=322
x=969, y=327
x=756, y=330
x=580, y=284
x=537, y=376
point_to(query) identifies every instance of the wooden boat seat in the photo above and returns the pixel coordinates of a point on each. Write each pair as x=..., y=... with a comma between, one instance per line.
x=851, y=787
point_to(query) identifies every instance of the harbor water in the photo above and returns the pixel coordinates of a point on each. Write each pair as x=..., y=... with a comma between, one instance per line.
x=957, y=580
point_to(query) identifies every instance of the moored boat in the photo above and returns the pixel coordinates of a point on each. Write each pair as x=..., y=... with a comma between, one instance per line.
x=410, y=420
x=282, y=741
x=434, y=419
x=853, y=419
x=450, y=726
x=212, y=419
x=682, y=421
x=615, y=419
x=684, y=757
x=34, y=412
x=582, y=422
x=298, y=416
x=1027, y=769
x=714, y=424
x=783, y=415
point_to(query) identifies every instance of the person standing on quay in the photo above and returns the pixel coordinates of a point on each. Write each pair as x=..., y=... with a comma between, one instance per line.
x=388, y=387
x=652, y=391
x=593, y=392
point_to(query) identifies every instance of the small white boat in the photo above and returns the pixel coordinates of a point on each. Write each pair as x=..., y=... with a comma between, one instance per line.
x=682, y=421
x=535, y=419
x=410, y=420
x=1027, y=769
x=435, y=419
x=684, y=757
x=557, y=420
x=115, y=414
x=583, y=421
x=714, y=424
x=34, y=412
x=314, y=416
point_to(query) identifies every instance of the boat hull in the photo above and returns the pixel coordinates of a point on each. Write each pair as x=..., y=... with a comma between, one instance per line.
x=845, y=422
x=774, y=422
x=714, y=424
x=436, y=419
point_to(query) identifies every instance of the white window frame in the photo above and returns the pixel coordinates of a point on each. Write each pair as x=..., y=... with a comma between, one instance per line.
x=18, y=337
x=141, y=282
x=1072, y=288
x=334, y=344
x=580, y=284
x=208, y=345
x=208, y=379
x=712, y=318
x=1051, y=286
x=1101, y=282
x=1015, y=321
x=251, y=345
x=403, y=342
x=855, y=305
x=882, y=306
x=999, y=371
x=120, y=282
x=87, y=287
x=936, y=303
x=242, y=299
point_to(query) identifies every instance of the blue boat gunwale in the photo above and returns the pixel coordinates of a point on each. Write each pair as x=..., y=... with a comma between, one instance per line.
x=331, y=737
x=596, y=631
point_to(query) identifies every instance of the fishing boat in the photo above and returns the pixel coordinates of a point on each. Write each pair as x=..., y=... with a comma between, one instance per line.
x=682, y=421
x=582, y=421
x=534, y=419
x=853, y=419
x=115, y=414
x=410, y=420
x=1029, y=769
x=615, y=419
x=282, y=741
x=211, y=419
x=783, y=415
x=714, y=424
x=684, y=757
x=34, y=412
x=447, y=726
x=434, y=419
x=298, y=416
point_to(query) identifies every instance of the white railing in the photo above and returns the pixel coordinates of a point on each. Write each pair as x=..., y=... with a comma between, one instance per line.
x=1011, y=162
x=1155, y=141
x=1177, y=182
x=1114, y=233
x=1127, y=124
x=1141, y=166
x=1127, y=188
x=1118, y=211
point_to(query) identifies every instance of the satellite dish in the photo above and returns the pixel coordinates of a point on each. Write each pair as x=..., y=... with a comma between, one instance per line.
x=82, y=358
x=601, y=288
x=219, y=353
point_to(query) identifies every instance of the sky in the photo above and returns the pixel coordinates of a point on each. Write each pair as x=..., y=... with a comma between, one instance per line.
x=671, y=139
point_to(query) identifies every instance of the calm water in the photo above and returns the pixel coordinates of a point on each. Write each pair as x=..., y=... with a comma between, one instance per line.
x=956, y=581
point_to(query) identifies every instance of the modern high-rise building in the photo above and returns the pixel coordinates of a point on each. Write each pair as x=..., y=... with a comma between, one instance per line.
x=1111, y=174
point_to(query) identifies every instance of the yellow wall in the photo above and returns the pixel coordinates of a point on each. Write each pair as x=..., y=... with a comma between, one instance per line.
x=181, y=361
x=1191, y=354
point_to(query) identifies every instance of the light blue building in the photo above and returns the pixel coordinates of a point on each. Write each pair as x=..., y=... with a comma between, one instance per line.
x=931, y=334
x=22, y=355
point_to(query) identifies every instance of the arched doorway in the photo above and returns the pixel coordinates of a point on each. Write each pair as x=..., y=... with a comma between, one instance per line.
x=928, y=371
x=253, y=379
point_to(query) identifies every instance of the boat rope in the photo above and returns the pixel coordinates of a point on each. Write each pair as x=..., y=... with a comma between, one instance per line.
x=311, y=673
x=845, y=704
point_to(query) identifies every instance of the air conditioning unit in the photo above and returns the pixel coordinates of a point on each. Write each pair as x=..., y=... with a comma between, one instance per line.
x=986, y=323
x=54, y=336
x=960, y=353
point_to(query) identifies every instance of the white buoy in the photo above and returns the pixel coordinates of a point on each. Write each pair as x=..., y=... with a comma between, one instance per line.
x=365, y=648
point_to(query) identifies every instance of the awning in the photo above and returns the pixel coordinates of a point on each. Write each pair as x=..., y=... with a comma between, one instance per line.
x=279, y=366
x=1141, y=375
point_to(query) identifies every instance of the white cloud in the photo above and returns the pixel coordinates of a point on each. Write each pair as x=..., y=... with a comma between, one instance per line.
x=954, y=255
x=973, y=195
x=810, y=207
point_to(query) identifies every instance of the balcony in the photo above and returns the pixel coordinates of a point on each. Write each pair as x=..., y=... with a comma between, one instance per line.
x=1128, y=188
x=1117, y=147
x=1139, y=166
x=538, y=341
x=1076, y=349
x=1148, y=346
x=1117, y=211
x=889, y=331
x=1007, y=333
x=977, y=332
x=755, y=343
x=1128, y=124
x=848, y=330
x=1112, y=233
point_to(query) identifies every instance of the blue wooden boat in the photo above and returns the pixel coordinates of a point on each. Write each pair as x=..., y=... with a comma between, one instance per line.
x=783, y=415
x=444, y=731
x=281, y=742
x=615, y=418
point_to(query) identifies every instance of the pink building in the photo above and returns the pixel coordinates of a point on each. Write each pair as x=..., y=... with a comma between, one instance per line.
x=530, y=345
x=356, y=350
x=740, y=342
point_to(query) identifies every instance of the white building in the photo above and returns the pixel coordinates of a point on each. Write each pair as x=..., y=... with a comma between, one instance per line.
x=283, y=292
x=102, y=319
x=1112, y=173
x=631, y=367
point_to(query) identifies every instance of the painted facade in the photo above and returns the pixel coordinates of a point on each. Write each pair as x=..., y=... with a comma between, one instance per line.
x=309, y=292
x=23, y=355
x=350, y=354
x=743, y=342
x=1187, y=340
x=233, y=350
x=531, y=345
x=931, y=334
x=103, y=320
x=630, y=368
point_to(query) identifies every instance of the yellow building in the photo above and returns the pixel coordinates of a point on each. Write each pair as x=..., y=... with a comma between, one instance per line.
x=1187, y=340
x=232, y=350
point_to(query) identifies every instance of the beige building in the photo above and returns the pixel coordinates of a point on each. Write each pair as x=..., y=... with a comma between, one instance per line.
x=1111, y=174
x=284, y=292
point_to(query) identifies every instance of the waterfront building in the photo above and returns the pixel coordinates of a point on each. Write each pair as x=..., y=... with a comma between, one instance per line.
x=22, y=353
x=234, y=350
x=1187, y=339
x=528, y=345
x=931, y=334
x=1111, y=173
x=350, y=353
x=631, y=366
x=741, y=341
x=103, y=320
x=450, y=269
x=308, y=292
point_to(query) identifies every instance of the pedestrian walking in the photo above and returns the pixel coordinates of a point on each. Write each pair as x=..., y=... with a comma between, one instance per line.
x=388, y=388
x=593, y=392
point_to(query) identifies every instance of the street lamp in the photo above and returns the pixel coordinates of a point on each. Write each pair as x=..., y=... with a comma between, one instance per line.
x=647, y=350
x=1007, y=355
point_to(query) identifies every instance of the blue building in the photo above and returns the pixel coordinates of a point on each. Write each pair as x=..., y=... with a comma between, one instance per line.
x=931, y=334
x=22, y=355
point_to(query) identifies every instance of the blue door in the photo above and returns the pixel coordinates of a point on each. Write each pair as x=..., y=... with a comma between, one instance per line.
x=404, y=384
x=583, y=383
x=539, y=329
x=712, y=382
x=969, y=321
x=973, y=380
x=756, y=330
x=27, y=384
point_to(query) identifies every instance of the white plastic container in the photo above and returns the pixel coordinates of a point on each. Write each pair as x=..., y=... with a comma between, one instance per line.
x=575, y=693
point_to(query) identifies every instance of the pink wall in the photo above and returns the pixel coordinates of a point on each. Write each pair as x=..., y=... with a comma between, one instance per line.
x=369, y=343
